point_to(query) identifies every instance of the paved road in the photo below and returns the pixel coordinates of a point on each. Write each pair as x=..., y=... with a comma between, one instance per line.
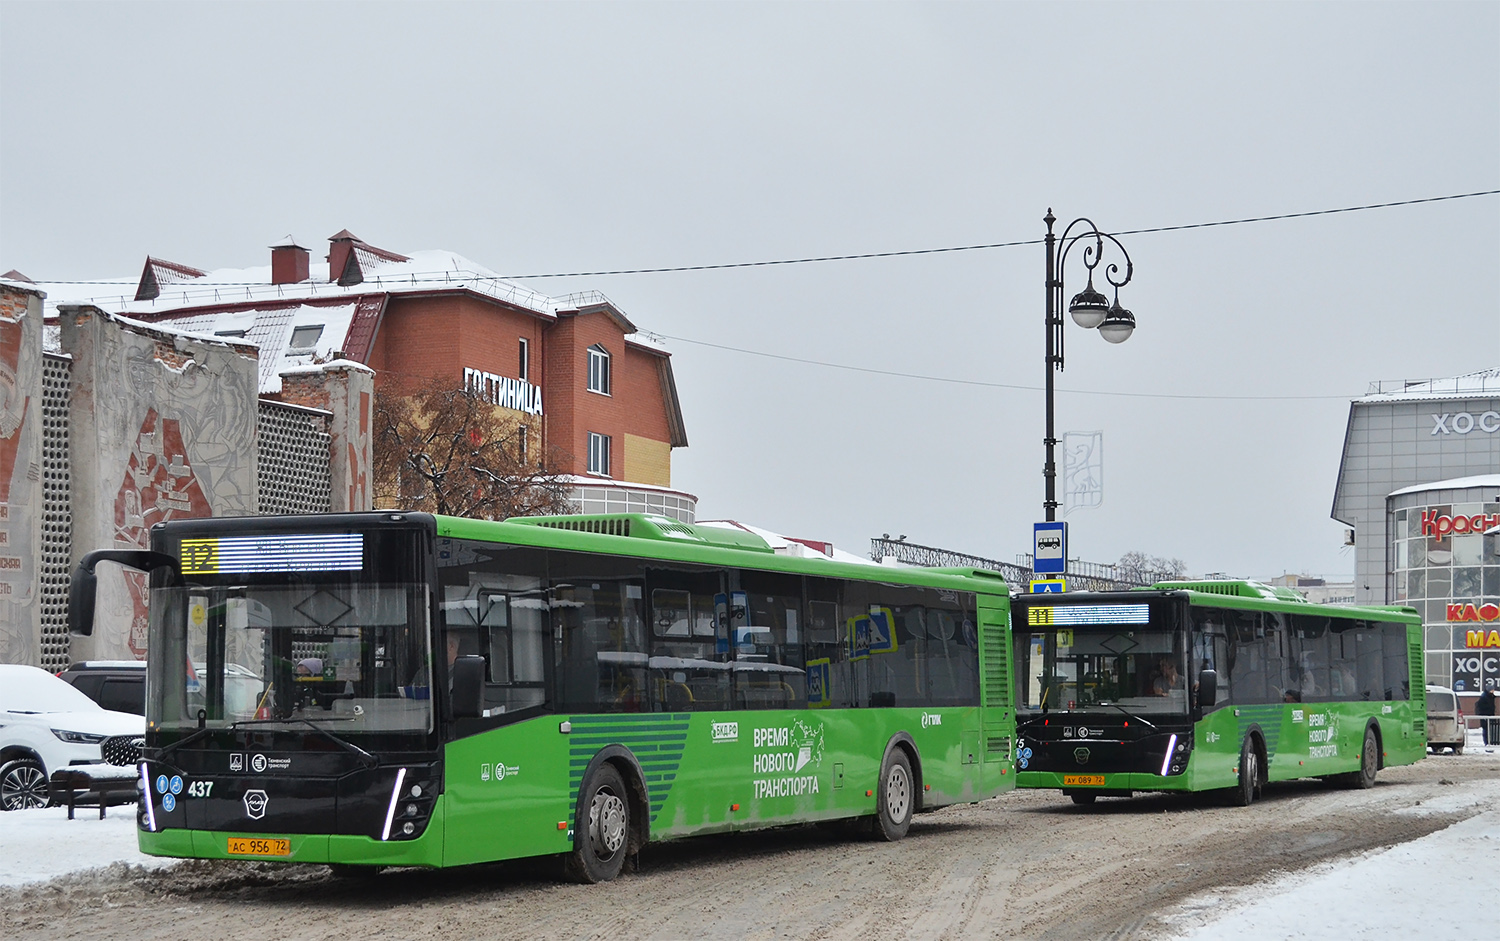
x=1026, y=865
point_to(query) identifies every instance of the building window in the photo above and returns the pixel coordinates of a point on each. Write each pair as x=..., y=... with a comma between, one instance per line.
x=598, y=454
x=521, y=441
x=525, y=373
x=306, y=338
x=598, y=369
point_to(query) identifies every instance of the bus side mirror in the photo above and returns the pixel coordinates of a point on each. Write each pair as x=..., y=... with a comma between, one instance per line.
x=1208, y=689
x=82, y=589
x=81, y=602
x=468, y=687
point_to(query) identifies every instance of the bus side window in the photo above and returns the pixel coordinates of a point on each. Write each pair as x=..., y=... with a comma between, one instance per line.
x=1369, y=668
x=1312, y=657
x=1395, y=658
x=827, y=653
x=1246, y=667
x=769, y=664
x=689, y=665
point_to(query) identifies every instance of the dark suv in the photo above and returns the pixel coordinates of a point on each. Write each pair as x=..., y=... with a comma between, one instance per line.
x=119, y=685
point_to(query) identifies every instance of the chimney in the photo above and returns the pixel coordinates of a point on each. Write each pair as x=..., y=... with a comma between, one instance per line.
x=289, y=262
x=340, y=250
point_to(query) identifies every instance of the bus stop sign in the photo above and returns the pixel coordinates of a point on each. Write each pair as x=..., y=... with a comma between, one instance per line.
x=1049, y=554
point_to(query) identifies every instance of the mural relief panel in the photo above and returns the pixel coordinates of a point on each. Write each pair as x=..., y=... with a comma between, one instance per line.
x=20, y=475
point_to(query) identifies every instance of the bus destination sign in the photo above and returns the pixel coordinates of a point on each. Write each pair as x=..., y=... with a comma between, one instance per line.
x=1049, y=615
x=321, y=552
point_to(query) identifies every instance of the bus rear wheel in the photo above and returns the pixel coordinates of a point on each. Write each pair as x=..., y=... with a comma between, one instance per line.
x=1369, y=764
x=1248, y=789
x=896, y=799
x=601, y=835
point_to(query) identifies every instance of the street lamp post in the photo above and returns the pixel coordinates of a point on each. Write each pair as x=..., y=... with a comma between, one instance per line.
x=1089, y=309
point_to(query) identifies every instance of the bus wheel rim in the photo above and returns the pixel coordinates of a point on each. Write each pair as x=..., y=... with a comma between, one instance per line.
x=897, y=793
x=607, y=823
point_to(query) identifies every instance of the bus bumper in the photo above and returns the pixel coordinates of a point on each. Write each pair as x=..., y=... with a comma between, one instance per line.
x=425, y=850
x=1117, y=783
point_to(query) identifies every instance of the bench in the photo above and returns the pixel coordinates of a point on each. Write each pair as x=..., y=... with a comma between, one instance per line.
x=80, y=789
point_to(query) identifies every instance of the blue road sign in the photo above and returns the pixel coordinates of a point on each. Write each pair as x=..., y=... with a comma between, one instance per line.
x=1049, y=554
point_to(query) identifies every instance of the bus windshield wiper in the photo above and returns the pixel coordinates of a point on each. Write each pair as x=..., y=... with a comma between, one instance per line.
x=1128, y=713
x=365, y=758
x=200, y=732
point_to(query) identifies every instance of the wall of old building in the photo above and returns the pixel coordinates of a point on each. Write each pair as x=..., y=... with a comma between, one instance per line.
x=163, y=426
x=21, y=470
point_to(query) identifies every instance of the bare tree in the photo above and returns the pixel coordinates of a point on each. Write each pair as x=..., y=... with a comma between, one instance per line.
x=448, y=451
x=1138, y=568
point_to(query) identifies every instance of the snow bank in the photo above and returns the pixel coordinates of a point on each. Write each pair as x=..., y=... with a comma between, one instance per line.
x=37, y=845
x=1430, y=888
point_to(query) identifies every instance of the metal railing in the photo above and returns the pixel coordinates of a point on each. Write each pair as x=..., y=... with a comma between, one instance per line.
x=1081, y=576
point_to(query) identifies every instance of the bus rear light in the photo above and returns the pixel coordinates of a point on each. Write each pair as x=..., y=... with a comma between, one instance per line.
x=562, y=824
x=869, y=793
x=734, y=807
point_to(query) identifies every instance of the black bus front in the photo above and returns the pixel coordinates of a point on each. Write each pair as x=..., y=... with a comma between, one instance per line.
x=1107, y=688
x=290, y=698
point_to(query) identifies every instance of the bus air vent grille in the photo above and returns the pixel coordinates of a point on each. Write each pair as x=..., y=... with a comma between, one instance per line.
x=997, y=748
x=605, y=527
x=996, y=676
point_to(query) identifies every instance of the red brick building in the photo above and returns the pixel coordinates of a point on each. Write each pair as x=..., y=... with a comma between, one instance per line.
x=589, y=390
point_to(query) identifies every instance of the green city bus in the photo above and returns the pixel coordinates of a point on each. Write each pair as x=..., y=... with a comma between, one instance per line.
x=401, y=689
x=1215, y=684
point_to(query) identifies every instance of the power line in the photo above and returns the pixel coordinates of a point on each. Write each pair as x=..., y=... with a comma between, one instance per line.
x=993, y=385
x=974, y=248
x=449, y=276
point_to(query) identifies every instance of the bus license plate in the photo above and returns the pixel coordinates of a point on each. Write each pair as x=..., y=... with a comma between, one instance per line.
x=256, y=846
x=1083, y=780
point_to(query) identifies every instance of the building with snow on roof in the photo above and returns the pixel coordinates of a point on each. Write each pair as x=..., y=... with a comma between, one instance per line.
x=1420, y=485
x=589, y=395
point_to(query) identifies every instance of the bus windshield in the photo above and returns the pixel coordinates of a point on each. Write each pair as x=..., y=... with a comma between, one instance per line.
x=1141, y=671
x=353, y=656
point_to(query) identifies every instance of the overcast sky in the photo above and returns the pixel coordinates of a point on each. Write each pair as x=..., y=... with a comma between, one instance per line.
x=576, y=137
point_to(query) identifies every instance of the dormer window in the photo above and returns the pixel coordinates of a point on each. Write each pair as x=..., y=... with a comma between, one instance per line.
x=306, y=338
x=598, y=369
x=237, y=334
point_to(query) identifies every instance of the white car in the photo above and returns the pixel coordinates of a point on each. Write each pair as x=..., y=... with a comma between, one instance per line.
x=47, y=724
x=1445, y=721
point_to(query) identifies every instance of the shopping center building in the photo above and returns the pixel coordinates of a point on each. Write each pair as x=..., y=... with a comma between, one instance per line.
x=1419, y=484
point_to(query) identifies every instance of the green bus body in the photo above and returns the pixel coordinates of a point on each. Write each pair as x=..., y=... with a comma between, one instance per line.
x=1297, y=687
x=718, y=724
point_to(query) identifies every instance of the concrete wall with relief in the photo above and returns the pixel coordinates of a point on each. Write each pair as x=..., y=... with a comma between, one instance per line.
x=20, y=472
x=163, y=427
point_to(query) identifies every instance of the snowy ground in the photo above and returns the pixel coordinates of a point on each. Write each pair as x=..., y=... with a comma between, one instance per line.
x=37, y=845
x=1441, y=878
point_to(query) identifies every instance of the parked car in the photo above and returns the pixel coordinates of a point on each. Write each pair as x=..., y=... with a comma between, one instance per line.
x=118, y=685
x=1445, y=720
x=46, y=724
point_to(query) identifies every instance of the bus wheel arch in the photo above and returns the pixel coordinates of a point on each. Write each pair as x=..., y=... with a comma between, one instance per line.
x=898, y=791
x=1253, y=771
x=613, y=768
x=1370, y=760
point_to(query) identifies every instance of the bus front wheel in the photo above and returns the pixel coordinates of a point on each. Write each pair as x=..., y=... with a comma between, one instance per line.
x=601, y=836
x=1244, y=793
x=897, y=797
